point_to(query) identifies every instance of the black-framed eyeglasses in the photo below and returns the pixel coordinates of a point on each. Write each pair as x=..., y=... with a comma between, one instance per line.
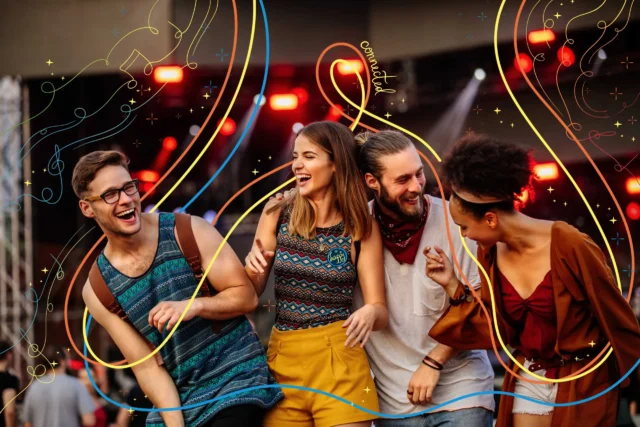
x=113, y=196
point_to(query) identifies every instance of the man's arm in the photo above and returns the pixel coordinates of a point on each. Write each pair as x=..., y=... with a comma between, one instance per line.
x=236, y=295
x=85, y=406
x=153, y=379
x=9, y=412
x=88, y=420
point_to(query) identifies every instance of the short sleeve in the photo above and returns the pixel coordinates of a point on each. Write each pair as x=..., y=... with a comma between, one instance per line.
x=85, y=402
x=14, y=383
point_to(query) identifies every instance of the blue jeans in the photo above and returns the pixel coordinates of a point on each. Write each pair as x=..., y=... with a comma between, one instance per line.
x=472, y=417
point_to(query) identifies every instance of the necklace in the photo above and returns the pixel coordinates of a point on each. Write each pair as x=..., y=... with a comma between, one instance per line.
x=323, y=248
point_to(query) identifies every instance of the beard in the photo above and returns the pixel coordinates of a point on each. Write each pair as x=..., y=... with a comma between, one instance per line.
x=412, y=213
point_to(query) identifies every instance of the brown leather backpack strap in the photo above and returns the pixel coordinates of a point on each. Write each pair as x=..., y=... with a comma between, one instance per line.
x=190, y=248
x=110, y=302
x=192, y=255
x=103, y=293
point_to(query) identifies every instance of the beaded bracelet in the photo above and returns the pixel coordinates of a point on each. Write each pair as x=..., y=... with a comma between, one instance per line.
x=466, y=297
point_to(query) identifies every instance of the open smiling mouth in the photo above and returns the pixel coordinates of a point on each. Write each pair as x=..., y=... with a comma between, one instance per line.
x=129, y=216
x=303, y=179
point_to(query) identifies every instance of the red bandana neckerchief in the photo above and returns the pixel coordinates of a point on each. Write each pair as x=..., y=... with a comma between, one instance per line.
x=402, y=238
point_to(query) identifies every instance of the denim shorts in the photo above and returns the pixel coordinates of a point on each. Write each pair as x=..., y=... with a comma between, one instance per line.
x=545, y=392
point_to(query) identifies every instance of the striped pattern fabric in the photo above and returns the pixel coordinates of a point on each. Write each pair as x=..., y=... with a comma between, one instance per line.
x=203, y=364
x=310, y=290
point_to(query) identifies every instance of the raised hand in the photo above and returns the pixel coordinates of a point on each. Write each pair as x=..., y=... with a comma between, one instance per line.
x=258, y=258
x=439, y=268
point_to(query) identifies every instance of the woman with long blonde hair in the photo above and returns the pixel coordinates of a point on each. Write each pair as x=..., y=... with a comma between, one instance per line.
x=321, y=242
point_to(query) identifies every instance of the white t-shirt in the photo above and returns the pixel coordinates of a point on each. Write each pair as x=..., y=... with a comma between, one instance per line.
x=415, y=303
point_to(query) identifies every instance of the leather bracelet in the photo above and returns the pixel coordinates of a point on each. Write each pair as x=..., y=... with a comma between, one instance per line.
x=466, y=297
x=434, y=361
x=430, y=365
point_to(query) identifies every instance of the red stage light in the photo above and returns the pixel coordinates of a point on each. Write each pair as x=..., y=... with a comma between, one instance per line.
x=147, y=186
x=541, y=36
x=334, y=113
x=169, y=143
x=546, y=171
x=149, y=176
x=522, y=200
x=633, y=211
x=633, y=185
x=228, y=127
x=168, y=74
x=303, y=95
x=523, y=62
x=350, y=67
x=286, y=101
x=566, y=56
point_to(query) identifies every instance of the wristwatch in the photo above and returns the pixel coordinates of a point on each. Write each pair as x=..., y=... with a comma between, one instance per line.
x=466, y=297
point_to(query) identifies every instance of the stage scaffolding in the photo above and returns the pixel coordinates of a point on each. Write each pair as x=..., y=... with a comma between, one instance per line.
x=16, y=240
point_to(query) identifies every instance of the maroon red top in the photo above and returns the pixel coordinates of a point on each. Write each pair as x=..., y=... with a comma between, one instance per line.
x=534, y=318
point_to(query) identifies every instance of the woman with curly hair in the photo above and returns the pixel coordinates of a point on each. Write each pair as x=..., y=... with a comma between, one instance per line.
x=557, y=303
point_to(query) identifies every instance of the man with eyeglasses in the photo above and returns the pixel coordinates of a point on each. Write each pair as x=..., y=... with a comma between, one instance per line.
x=146, y=272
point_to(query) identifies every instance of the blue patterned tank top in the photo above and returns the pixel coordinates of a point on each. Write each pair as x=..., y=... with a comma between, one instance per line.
x=314, y=279
x=203, y=364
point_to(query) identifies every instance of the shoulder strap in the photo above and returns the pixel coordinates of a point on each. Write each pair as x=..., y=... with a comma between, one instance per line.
x=192, y=254
x=110, y=302
x=103, y=293
x=190, y=248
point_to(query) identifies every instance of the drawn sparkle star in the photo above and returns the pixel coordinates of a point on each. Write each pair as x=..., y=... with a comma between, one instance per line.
x=387, y=115
x=626, y=63
x=557, y=15
x=550, y=189
x=132, y=101
x=44, y=270
x=497, y=110
x=49, y=62
x=255, y=172
x=27, y=183
x=615, y=93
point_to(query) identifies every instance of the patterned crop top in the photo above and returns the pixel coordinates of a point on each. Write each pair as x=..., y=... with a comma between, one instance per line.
x=314, y=279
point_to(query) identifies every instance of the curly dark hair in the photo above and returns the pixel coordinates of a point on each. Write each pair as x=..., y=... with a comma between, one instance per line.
x=484, y=166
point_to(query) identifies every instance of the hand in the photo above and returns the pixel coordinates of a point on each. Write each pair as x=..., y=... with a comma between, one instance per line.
x=422, y=384
x=258, y=258
x=439, y=268
x=280, y=196
x=359, y=325
x=168, y=313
